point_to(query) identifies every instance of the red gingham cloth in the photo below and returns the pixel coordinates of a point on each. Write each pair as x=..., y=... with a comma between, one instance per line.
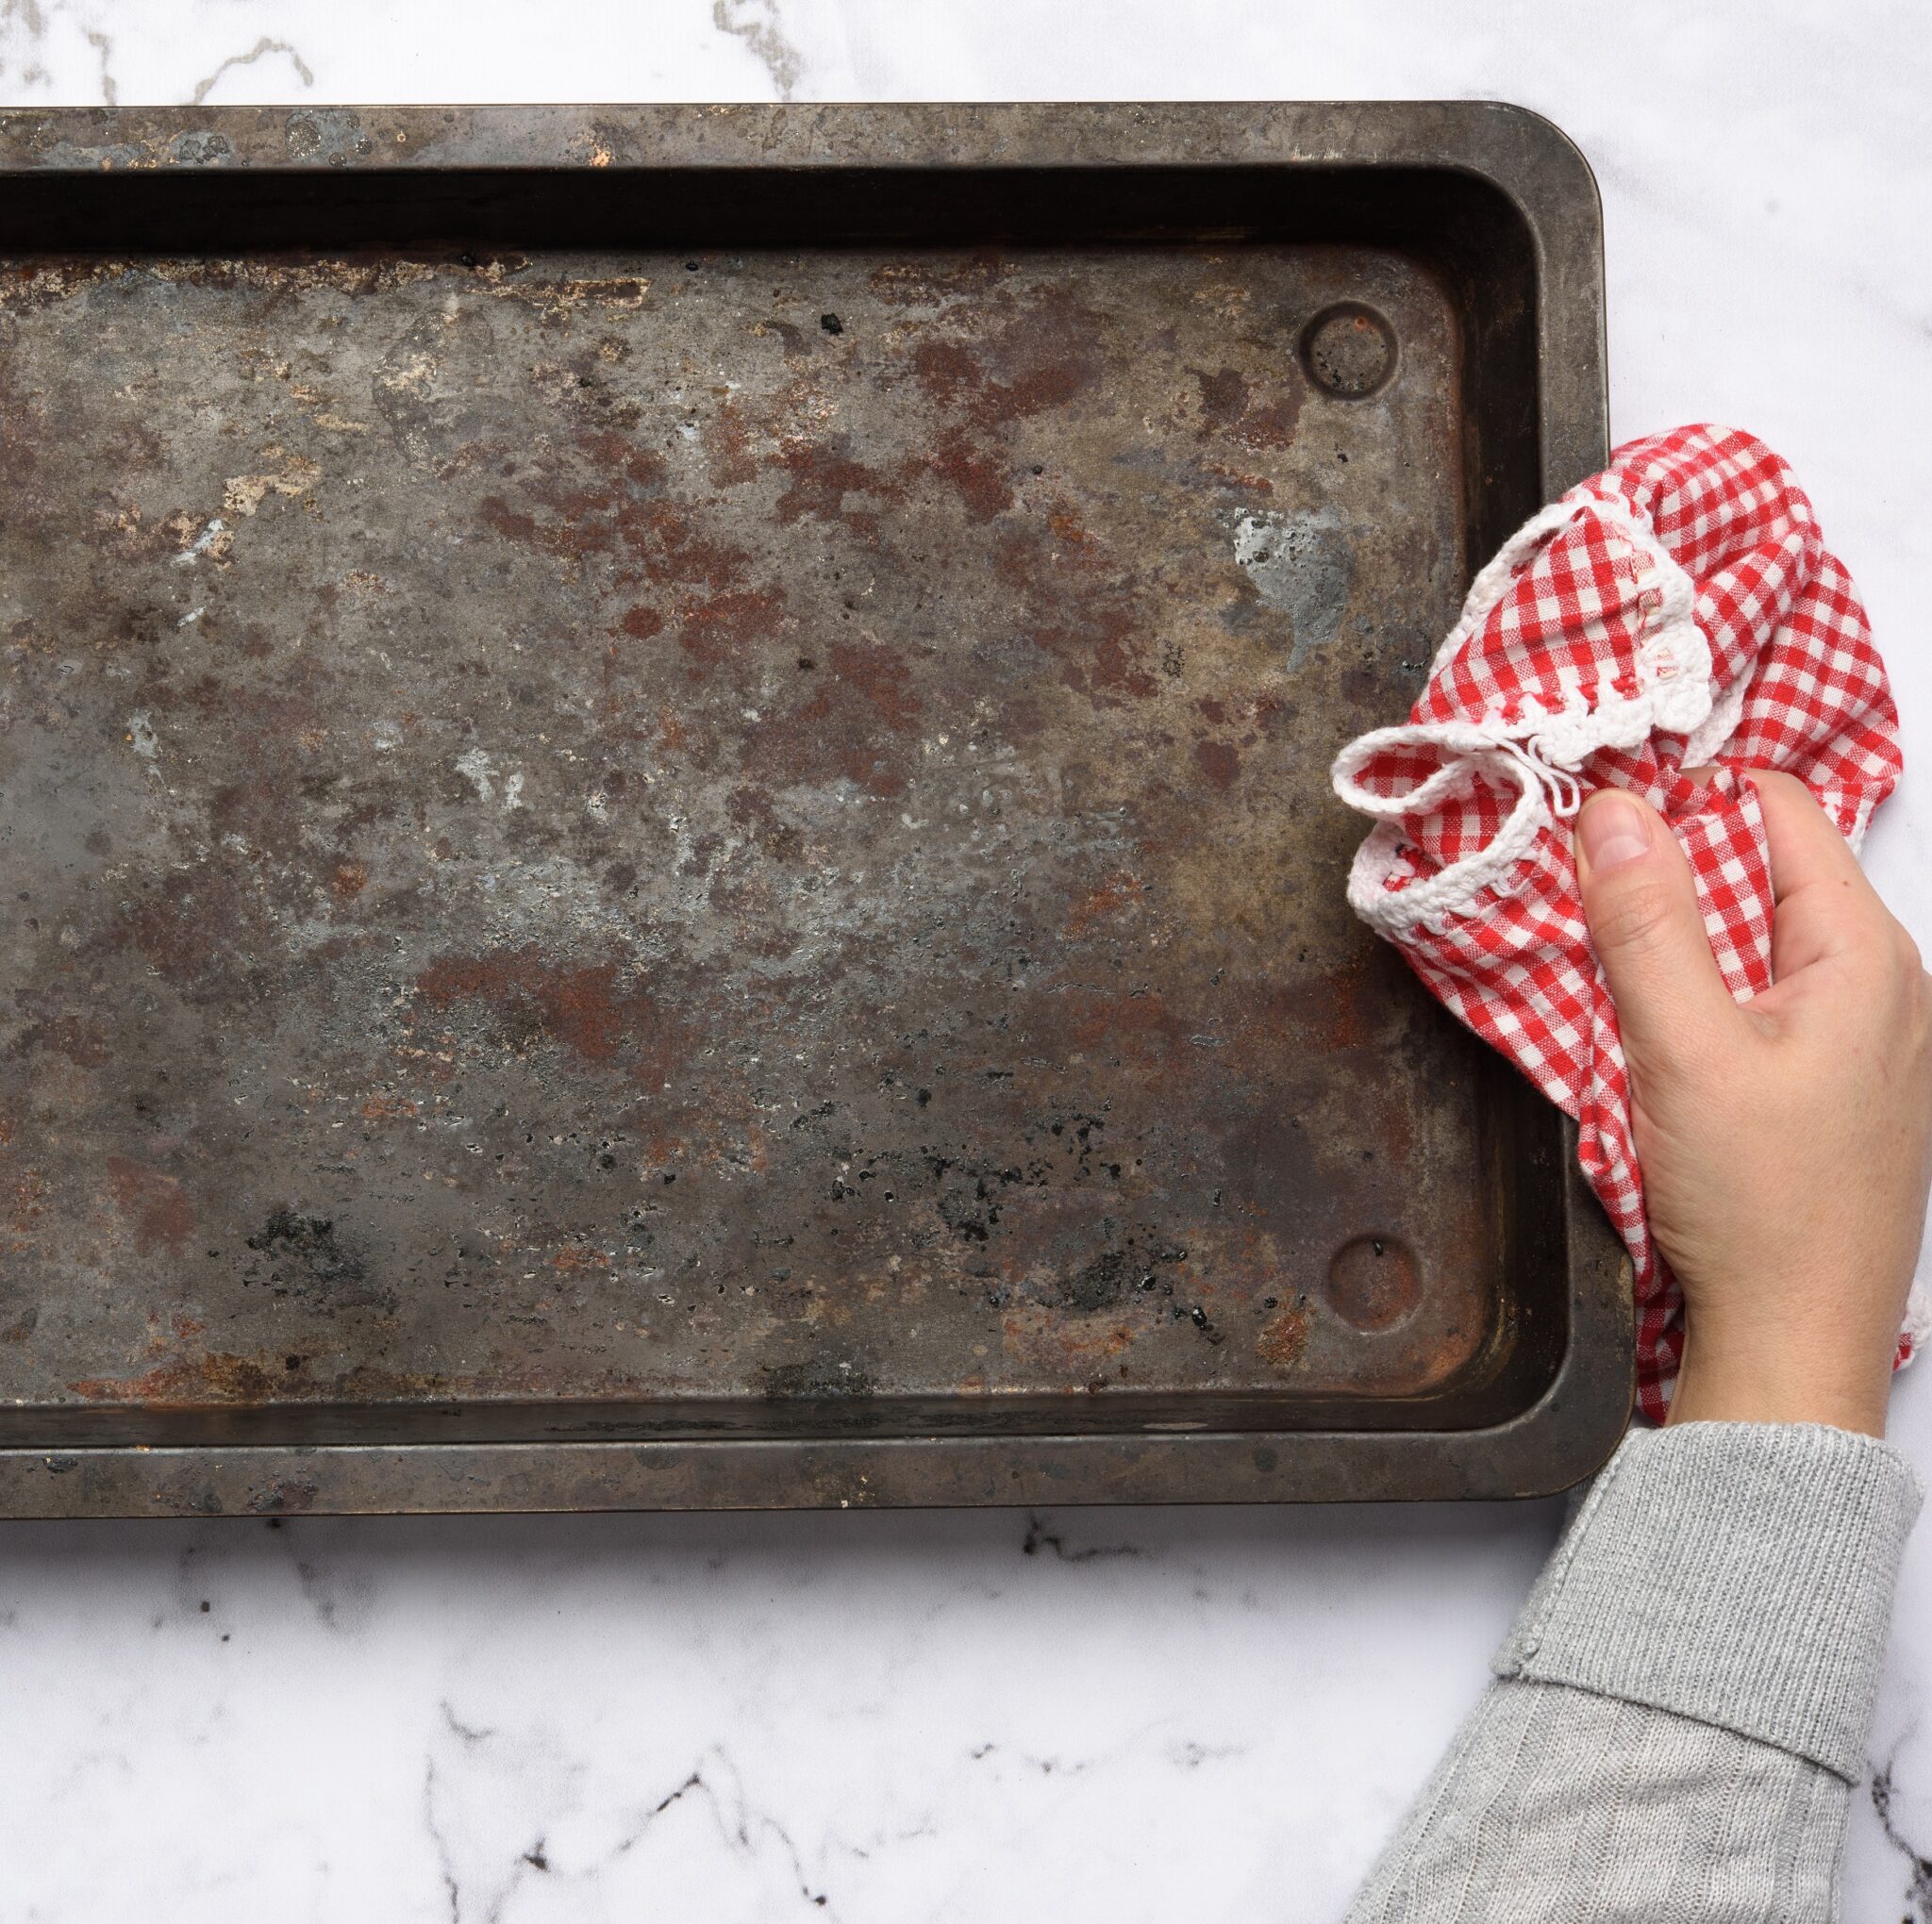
x=1678, y=611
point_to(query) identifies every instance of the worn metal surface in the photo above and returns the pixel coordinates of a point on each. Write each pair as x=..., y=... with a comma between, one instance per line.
x=669, y=839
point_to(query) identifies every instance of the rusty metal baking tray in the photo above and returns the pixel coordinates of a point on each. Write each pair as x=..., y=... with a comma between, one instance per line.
x=663, y=818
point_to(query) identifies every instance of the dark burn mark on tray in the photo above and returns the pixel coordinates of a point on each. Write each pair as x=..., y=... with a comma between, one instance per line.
x=303, y=1255
x=1097, y=1284
x=817, y=1379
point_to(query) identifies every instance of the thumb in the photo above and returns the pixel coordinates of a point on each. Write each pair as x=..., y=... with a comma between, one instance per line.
x=1641, y=905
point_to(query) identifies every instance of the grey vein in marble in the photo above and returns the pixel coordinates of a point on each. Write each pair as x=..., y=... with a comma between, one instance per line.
x=756, y=23
x=1918, y=1868
x=264, y=46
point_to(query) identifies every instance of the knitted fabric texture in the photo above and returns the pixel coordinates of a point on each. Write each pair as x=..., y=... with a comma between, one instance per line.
x=1677, y=612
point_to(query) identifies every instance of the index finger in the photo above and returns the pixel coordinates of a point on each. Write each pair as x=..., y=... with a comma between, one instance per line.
x=1825, y=904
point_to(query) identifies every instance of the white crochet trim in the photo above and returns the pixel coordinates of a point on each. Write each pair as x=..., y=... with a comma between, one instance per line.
x=1918, y=1322
x=1541, y=750
x=1707, y=741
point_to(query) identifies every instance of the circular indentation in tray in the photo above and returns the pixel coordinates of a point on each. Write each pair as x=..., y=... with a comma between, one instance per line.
x=1349, y=349
x=1372, y=1282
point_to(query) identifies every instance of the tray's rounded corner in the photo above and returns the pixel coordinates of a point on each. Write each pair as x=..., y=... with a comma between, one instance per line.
x=1569, y=1435
x=1539, y=159
x=1573, y=1429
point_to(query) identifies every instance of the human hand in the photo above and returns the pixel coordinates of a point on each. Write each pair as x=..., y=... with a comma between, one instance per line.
x=1785, y=1142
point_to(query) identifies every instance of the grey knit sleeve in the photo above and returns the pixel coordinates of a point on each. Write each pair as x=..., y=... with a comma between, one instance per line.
x=1680, y=1713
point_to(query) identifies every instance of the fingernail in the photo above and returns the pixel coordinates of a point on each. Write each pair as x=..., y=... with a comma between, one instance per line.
x=1612, y=830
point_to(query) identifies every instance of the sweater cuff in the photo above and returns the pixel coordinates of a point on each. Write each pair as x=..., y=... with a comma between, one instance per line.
x=1738, y=1573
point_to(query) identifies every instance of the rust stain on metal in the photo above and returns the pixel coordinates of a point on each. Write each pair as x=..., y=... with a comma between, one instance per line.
x=589, y=1010
x=186, y=1382
x=161, y=1216
x=1282, y=1338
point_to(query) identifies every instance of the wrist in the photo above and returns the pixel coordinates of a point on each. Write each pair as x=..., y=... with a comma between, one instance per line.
x=1763, y=1375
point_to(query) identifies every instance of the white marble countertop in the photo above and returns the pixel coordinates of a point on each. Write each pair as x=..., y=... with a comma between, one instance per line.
x=909, y=1718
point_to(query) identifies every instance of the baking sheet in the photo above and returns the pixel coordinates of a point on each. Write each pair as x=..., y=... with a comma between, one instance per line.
x=676, y=841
